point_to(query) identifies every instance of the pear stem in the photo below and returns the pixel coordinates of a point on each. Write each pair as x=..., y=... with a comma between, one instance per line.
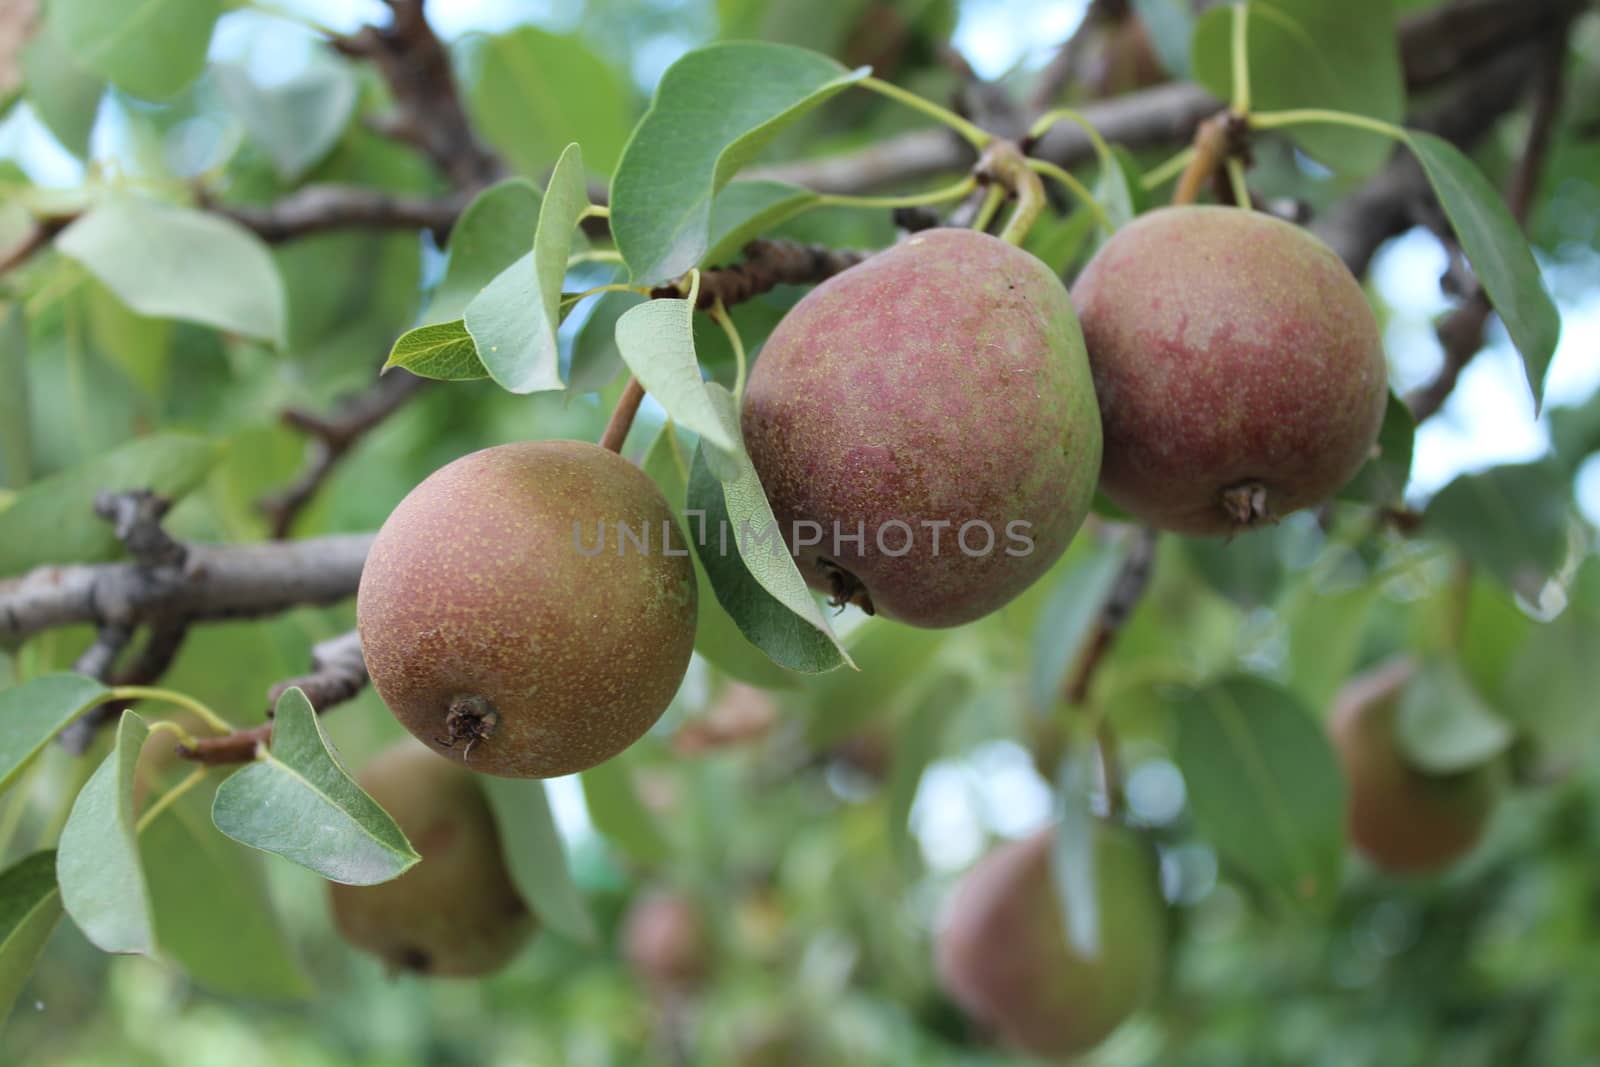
x=1210, y=149
x=616, y=431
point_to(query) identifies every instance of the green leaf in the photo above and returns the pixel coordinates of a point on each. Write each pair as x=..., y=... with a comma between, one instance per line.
x=893, y=661
x=213, y=915
x=1075, y=853
x=16, y=418
x=514, y=319
x=297, y=121
x=140, y=347
x=64, y=95
x=917, y=744
x=656, y=339
x=1444, y=726
x=150, y=48
x=1263, y=784
x=444, y=351
x=1498, y=252
x=532, y=93
x=1325, y=630
x=37, y=710
x=97, y=859
x=596, y=362
x=537, y=859
x=1575, y=432
x=495, y=230
x=1309, y=53
x=745, y=556
x=716, y=636
x=1119, y=191
x=1382, y=479
x=745, y=210
x=298, y=801
x=1170, y=24
x=1549, y=688
x=714, y=110
x=619, y=814
x=1070, y=614
x=52, y=521
x=30, y=907
x=177, y=263
x=1512, y=521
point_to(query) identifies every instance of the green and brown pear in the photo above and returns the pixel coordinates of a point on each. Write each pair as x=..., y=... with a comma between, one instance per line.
x=1004, y=955
x=925, y=428
x=456, y=913
x=1238, y=365
x=529, y=610
x=1405, y=820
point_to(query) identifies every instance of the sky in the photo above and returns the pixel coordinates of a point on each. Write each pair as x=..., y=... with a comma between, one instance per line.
x=1488, y=420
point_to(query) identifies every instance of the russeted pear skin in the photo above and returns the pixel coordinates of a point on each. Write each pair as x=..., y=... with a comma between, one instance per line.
x=1403, y=819
x=1238, y=365
x=935, y=402
x=1004, y=957
x=529, y=610
x=456, y=913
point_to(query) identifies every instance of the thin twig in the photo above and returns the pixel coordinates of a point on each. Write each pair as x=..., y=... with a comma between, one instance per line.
x=1125, y=595
x=338, y=673
x=767, y=264
x=427, y=108
x=317, y=209
x=331, y=437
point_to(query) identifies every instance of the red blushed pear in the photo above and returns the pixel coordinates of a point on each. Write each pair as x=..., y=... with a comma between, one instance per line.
x=456, y=913
x=1405, y=820
x=932, y=407
x=1003, y=953
x=1238, y=365
x=529, y=610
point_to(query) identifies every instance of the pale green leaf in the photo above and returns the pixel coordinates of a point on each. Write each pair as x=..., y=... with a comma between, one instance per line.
x=64, y=95
x=297, y=121
x=1445, y=727
x=745, y=210
x=656, y=340
x=614, y=806
x=714, y=110
x=36, y=711
x=536, y=856
x=177, y=263
x=213, y=915
x=97, y=859
x=513, y=321
x=494, y=231
x=443, y=350
x=30, y=907
x=298, y=801
x=149, y=48
x=1264, y=787
x=532, y=93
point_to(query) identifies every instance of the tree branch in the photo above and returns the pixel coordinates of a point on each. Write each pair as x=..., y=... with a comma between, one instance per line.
x=338, y=673
x=331, y=437
x=315, y=209
x=1461, y=332
x=1126, y=592
x=427, y=109
x=768, y=263
x=214, y=582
